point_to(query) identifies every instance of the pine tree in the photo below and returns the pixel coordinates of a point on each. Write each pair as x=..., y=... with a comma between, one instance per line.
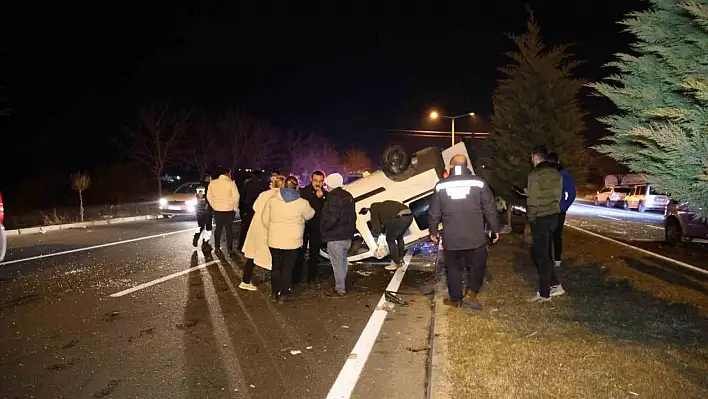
x=661, y=92
x=535, y=103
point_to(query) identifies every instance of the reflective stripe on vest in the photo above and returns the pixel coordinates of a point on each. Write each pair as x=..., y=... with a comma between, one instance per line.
x=458, y=189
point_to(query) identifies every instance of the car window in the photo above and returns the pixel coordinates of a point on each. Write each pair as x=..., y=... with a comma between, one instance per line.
x=189, y=188
x=419, y=208
x=652, y=191
x=605, y=190
x=623, y=190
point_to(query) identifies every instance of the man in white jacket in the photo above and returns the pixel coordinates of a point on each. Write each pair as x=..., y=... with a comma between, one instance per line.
x=223, y=197
x=284, y=218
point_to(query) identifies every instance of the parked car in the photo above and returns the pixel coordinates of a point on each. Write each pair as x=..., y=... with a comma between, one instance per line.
x=611, y=196
x=643, y=198
x=3, y=237
x=680, y=224
x=410, y=180
x=181, y=202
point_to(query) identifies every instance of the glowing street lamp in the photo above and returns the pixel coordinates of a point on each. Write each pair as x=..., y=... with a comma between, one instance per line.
x=435, y=115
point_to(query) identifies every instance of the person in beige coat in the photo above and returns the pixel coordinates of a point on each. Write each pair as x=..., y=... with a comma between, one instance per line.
x=223, y=197
x=284, y=218
x=255, y=247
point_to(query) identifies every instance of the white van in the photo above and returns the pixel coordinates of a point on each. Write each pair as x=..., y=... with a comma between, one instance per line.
x=643, y=197
x=413, y=187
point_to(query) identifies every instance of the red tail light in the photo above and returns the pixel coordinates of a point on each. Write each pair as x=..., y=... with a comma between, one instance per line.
x=2, y=211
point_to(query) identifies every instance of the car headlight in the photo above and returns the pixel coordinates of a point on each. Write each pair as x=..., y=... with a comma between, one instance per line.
x=192, y=202
x=163, y=201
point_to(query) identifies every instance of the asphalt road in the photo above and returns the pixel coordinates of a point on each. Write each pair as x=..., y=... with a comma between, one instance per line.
x=195, y=335
x=643, y=230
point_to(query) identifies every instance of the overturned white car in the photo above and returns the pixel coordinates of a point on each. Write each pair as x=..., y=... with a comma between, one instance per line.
x=410, y=180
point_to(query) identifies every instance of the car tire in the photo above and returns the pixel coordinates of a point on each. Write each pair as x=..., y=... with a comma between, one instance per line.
x=597, y=202
x=608, y=203
x=641, y=207
x=672, y=232
x=395, y=159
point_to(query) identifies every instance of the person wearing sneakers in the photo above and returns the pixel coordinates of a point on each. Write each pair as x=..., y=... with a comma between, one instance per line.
x=284, y=217
x=567, y=199
x=204, y=217
x=463, y=203
x=395, y=218
x=544, y=189
x=337, y=227
x=255, y=247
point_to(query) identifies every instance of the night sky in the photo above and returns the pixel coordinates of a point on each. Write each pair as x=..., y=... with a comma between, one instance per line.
x=76, y=76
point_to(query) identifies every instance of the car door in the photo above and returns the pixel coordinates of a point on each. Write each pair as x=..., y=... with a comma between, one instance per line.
x=631, y=199
x=602, y=195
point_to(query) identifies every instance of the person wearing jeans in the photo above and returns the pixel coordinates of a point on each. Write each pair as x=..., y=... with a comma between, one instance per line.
x=284, y=217
x=223, y=197
x=337, y=228
x=545, y=185
x=567, y=199
x=395, y=218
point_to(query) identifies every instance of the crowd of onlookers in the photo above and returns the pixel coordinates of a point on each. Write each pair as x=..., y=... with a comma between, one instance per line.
x=284, y=226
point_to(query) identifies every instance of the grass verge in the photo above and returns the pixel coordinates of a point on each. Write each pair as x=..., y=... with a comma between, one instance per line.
x=629, y=326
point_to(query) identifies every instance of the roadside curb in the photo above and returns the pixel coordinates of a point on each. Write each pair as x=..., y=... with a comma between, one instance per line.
x=437, y=371
x=57, y=227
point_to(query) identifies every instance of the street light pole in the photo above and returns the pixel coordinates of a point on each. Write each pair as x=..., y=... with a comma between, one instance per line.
x=435, y=115
x=453, y=131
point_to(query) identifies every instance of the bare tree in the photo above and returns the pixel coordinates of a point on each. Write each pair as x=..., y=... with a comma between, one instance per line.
x=265, y=145
x=80, y=181
x=311, y=152
x=356, y=161
x=202, y=146
x=158, y=138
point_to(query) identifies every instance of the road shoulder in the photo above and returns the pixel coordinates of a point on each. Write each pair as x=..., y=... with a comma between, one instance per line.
x=627, y=322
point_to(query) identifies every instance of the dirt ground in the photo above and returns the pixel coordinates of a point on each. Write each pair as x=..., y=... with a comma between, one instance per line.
x=630, y=326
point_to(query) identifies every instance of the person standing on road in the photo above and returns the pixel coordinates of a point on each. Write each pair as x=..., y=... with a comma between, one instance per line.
x=395, y=218
x=252, y=188
x=284, y=218
x=204, y=218
x=338, y=225
x=567, y=199
x=544, y=188
x=223, y=197
x=315, y=194
x=255, y=248
x=463, y=203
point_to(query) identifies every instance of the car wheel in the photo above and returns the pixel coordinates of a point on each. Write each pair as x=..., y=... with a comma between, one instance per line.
x=625, y=205
x=597, y=202
x=608, y=203
x=395, y=159
x=672, y=232
x=641, y=208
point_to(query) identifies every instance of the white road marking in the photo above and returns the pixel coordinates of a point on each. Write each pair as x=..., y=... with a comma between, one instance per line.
x=110, y=244
x=662, y=257
x=654, y=227
x=349, y=375
x=161, y=279
x=609, y=217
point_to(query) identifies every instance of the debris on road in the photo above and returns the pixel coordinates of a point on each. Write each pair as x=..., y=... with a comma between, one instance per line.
x=309, y=347
x=295, y=352
x=364, y=273
x=352, y=356
x=345, y=326
x=532, y=334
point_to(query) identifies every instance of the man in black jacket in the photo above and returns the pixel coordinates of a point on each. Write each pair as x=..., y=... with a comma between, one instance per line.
x=252, y=188
x=396, y=218
x=316, y=195
x=338, y=225
x=463, y=203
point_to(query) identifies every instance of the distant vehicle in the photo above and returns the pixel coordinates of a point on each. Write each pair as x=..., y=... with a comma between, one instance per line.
x=643, y=198
x=3, y=237
x=680, y=224
x=182, y=202
x=611, y=196
x=410, y=180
